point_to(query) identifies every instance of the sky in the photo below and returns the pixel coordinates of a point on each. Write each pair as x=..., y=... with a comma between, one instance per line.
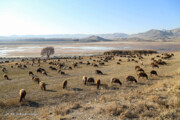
x=40, y=17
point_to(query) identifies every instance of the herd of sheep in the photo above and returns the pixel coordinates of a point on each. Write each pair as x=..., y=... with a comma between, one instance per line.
x=57, y=65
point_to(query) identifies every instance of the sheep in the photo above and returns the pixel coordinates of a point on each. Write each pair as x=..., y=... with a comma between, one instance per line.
x=142, y=75
x=154, y=65
x=118, y=63
x=61, y=72
x=153, y=72
x=4, y=70
x=98, y=72
x=36, y=79
x=30, y=73
x=95, y=65
x=42, y=85
x=139, y=70
x=137, y=67
x=131, y=79
x=98, y=82
x=22, y=94
x=90, y=80
x=116, y=80
x=44, y=73
x=39, y=70
x=5, y=76
x=65, y=84
x=84, y=80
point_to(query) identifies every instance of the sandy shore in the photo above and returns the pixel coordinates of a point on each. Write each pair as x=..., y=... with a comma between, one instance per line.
x=33, y=49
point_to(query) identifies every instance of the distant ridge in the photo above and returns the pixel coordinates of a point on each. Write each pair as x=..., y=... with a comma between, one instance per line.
x=151, y=35
x=94, y=38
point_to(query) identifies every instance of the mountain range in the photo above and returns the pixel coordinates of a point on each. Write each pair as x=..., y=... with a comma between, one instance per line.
x=151, y=35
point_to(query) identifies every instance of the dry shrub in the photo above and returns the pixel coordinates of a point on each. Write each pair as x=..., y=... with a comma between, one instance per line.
x=65, y=109
x=86, y=108
x=13, y=102
x=174, y=101
x=112, y=109
x=104, y=99
x=178, y=71
x=141, y=109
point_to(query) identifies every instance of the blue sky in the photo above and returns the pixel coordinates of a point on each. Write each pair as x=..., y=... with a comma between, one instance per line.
x=21, y=17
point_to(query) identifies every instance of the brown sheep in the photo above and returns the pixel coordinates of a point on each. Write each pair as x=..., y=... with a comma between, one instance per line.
x=142, y=75
x=42, y=85
x=70, y=68
x=90, y=80
x=5, y=76
x=30, y=73
x=131, y=79
x=153, y=72
x=4, y=70
x=98, y=82
x=44, y=73
x=62, y=73
x=116, y=80
x=98, y=72
x=36, y=79
x=137, y=67
x=22, y=94
x=139, y=70
x=95, y=65
x=84, y=80
x=59, y=71
x=154, y=65
x=65, y=84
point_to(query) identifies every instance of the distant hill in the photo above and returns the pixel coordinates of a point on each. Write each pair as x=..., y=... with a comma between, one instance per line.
x=151, y=35
x=158, y=35
x=94, y=38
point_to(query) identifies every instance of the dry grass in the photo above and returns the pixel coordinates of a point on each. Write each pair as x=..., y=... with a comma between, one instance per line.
x=157, y=98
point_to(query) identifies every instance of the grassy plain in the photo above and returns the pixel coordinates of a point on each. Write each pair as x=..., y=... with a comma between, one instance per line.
x=156, y=98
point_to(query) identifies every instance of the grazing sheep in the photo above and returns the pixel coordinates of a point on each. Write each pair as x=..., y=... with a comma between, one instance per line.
x=131, y=79
x=118, y=63
x=153, y=72
x=5, y=76
x=142, y=75
x=95, y=65
x=42, y=85
x=154, y=65
x=70, y=68
x=65, y=84
x=39, y=70
x=36, y=79
x=22, y=94
x=116, y=80
x=98, y=72
x=4, y=70
x=90, y=80
x=30, y=73
x=84, y=80
x=59, y=71
x=44, y=73
x=62, y=73
x=98, y=82
x=137, y=67
x=139, y=70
